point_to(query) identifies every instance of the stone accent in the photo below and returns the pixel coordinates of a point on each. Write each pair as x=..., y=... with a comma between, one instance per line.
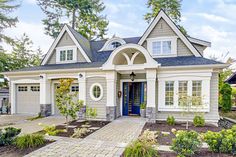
x=45, y=109
x=226, y=122
x=82, y=113
x=111, y=113
x=151, y=114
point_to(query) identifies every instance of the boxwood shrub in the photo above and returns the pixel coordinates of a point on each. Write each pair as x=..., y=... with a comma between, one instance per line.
x=8, y=135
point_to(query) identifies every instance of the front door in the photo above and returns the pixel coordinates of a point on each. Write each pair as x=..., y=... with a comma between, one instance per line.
x=134, y=93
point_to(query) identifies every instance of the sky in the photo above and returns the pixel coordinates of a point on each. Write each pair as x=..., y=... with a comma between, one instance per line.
x=210, y=20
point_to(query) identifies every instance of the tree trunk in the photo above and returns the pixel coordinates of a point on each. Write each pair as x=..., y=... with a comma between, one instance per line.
x=66, y=123
x=73, y=19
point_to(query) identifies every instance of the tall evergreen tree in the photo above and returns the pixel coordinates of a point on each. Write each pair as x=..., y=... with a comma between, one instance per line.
x=84, y=16
x=6, y=21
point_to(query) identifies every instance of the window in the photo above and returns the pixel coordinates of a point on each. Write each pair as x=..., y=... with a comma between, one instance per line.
x=169, y=93
x=62, y=55
x=115, y=44
x=35, y=88
x=69, y=55
x=166, y=47
x=196, y=92
x=156, y=47
x=161, y=47
x=183, y=92
x=74, y=88
x=22, y=88
x=66, y=55
x=96, y=92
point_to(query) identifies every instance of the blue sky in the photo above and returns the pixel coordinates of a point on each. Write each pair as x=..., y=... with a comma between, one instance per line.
x=211, y=20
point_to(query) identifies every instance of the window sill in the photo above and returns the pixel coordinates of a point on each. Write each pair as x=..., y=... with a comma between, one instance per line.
x=179, y=109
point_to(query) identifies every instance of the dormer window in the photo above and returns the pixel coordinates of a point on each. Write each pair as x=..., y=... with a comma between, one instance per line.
x=66, y=54
x=112, y=44
x=162, y=46
x=115, y=44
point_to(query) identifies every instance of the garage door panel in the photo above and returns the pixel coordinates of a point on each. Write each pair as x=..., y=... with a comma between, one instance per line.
x=27, y=98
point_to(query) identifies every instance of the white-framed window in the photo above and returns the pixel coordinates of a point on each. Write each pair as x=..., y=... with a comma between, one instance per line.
x=66, y=54
x=22, y=88
x=35, y=88
x=162, y=46
x=183, y=92
x=96, y=91
x=74, y=88
x=196, y=92
x=115, y=44
x=169, y=93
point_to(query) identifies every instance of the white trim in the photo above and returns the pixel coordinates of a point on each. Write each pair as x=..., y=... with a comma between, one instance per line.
x=173, y=40
x=66, y=48
x=110, y=41
x=199, y=42
x=51, y=50
x=121, y=89
x=160, y=15
x=91, y=92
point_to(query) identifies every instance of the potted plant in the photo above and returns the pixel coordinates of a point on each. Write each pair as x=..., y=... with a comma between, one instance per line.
x=143, y=110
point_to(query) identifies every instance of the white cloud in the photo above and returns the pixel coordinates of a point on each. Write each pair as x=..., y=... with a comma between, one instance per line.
x=116, y=8
x=214, y=18
x=36, y=33
x=31, y=1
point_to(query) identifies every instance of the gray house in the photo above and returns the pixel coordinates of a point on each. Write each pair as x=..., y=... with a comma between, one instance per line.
x=116, y=75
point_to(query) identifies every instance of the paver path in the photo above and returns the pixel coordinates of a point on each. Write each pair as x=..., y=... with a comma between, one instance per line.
x=109, y=141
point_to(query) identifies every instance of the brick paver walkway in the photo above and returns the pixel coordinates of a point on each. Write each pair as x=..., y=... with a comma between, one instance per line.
x=109, y=141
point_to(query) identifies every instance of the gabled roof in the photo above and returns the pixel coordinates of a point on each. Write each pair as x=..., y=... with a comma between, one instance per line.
x=174, y=27
x=82, y=44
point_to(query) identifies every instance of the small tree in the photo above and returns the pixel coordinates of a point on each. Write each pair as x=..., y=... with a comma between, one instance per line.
x=187, y=103
x=66, y=101
x=226, y=92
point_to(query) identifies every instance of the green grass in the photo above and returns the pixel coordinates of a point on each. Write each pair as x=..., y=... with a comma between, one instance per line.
x=35, y=118
x=231, y=114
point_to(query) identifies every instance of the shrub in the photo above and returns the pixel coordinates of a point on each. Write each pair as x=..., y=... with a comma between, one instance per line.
x=170, y=120
x=91, y=112
x=51, y=129
x=186, y=143
x=143, y=106
x=29, y=141
x=149, y=137
x=79, y=132
x=223, y=141
x=198, y=121
x=7, y=135
x=226, y=102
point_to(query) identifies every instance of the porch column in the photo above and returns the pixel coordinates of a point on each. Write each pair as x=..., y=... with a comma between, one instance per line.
x=82, y=94
x=111, y=107
x=13, y=97
x=151, y=94
x=45, y=96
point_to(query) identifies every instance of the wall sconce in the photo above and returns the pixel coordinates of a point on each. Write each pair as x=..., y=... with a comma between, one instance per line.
x=132, y=76
x=41, y=76
x=80, y=75
x=119, y=94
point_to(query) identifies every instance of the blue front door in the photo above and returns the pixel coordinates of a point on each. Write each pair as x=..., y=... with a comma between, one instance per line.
x=134, y=93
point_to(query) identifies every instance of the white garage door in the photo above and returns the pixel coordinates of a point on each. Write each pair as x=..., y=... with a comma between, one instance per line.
x=27, y=98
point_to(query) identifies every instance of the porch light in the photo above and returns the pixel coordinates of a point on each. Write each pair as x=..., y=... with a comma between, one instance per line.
x=132, y=75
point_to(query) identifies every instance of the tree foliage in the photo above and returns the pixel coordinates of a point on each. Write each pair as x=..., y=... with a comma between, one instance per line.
x=66, y=101
x=84, y=15
x=226, y=92
x=6, y=21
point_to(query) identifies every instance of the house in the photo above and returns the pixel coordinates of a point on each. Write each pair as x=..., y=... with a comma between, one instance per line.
x=116, y=75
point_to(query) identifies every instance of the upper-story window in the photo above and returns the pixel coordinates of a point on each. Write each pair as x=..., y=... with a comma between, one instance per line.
x=112, y=44
x=115, y=44
x=162, y=46
x=66, y=54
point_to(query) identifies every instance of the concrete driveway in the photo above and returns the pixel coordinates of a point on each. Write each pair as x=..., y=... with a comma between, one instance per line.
x=27, y=126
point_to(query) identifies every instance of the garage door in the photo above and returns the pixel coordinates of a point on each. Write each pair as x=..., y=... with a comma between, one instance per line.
x=74, y=88
x=27, y=98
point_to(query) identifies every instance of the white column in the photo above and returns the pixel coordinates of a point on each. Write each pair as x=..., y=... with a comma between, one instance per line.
x=13, y=97
x=151, y=87
x=45, y=90
x=82, y=86
x=111, y=78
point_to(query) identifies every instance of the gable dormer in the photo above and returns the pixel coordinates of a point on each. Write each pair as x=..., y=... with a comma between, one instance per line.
x=164, y=39
x=112, y=44
x=69, y=47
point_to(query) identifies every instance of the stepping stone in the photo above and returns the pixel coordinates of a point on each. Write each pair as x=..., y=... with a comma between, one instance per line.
x=72, y=126
x=85, y=126
x=94, y=128
x=80, y=121
x=165, y=133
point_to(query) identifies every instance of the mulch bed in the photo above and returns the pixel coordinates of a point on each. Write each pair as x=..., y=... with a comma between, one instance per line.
x=163, y=127
x=201, y=153
x=12, y=151
x=79, y=124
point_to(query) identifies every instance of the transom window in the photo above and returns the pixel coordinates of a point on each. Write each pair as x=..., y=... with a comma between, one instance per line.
x=96, y=92
x=66, y=55
x=115, y=44
x=22, y=88
x=169, y=93
x=35, y=88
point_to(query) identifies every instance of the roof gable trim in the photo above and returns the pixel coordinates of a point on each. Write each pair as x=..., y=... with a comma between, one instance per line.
x=64, y=29
x=163, y=15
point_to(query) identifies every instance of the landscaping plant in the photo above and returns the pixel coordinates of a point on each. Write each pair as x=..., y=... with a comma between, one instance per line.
x=223, y=141
x=170, y=120
x=186, y=143
x=143, y=146
x=198, y=121
x=29, y=141
x=91, y=112
x=79, y=132
x=51, y=129
x=66, y=101
x=226, y=92
x=8, y=135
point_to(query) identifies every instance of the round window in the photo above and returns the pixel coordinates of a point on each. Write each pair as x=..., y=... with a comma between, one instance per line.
x=96, y=92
